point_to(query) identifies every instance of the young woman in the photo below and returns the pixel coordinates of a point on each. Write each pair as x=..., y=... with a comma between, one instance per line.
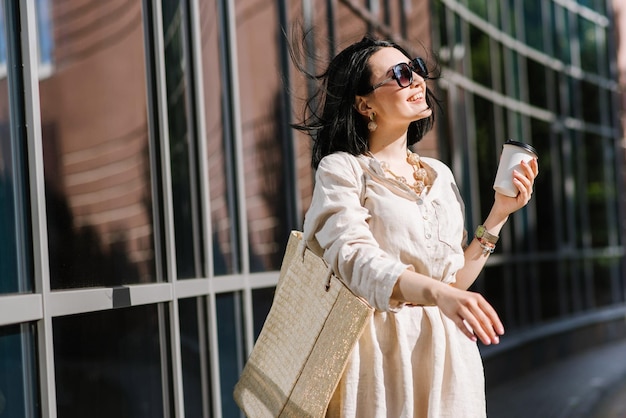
x=391, y=225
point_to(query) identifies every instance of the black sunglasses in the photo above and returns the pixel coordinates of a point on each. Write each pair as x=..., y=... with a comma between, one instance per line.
x=403, y=73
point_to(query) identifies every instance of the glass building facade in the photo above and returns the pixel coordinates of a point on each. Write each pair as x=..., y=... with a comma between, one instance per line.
x=149, y=178
x=541, y=72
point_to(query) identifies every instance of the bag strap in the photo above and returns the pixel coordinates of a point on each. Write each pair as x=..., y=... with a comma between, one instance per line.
x=301, y=251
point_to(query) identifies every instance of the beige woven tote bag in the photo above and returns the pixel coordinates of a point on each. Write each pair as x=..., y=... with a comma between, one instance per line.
x=303, y=348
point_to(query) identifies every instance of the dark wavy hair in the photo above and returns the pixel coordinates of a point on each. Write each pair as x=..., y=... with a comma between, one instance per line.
x=330, y=117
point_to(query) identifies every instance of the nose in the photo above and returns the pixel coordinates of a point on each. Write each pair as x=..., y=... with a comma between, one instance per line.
x=418, y=79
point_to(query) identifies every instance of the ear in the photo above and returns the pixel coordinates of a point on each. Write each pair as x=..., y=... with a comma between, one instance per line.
x=361, y=106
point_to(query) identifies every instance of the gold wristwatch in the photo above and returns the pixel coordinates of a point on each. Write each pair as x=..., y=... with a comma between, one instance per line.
x=481, y=233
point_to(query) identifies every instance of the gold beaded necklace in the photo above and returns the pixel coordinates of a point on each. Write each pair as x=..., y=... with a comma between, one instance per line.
x=419, y=172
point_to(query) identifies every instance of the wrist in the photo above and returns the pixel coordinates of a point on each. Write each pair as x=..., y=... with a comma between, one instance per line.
x=483, y=236
x=487, y=237
x=486, y=246
x=436, y=291
x=496, y=217
x=494, y=222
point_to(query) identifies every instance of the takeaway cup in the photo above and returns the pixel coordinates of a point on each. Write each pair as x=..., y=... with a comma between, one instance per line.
x=513, y=153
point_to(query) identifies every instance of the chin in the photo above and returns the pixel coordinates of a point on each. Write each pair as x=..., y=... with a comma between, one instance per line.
x=427, y=112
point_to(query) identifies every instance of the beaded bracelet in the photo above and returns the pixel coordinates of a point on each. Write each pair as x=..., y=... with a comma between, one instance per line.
x=487, y=247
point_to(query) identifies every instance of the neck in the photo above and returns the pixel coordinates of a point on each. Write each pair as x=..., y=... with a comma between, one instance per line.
x=384, y=148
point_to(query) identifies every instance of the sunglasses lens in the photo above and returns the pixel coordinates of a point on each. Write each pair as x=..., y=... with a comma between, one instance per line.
x=404, y=75
x=419, y=66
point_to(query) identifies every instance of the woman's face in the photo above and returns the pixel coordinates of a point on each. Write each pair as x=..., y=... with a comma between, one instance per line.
x=395, y=105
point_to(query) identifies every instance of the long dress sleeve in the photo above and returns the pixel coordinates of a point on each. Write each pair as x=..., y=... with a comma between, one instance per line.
x=337, y=222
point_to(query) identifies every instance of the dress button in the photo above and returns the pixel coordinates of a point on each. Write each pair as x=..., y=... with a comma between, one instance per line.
x=428, y=236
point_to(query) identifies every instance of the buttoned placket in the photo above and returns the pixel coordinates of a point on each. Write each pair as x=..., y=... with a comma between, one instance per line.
x=427, y=217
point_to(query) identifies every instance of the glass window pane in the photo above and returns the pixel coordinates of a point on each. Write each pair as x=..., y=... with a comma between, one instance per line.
x=195, y=356
x=187, y=228
x=15, y=275
x=44, y=38
x=261, y=302
x=536, y=72
x=219, y=144
x=230, y=337
x=600, y=191
x=561, y=30
x=549, y=224
x=588, y=45
x=109, y=364
x=480, y=57
x=509, y=17
x=19, y=395
x=513, y=74
x=265, y=139
x=591, y=109
x=479, y=7
x=533, y=19
x=606, y=281
x=487, y=149
x=96, y=145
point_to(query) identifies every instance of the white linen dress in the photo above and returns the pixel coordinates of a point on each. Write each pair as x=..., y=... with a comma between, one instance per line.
x=411, y=361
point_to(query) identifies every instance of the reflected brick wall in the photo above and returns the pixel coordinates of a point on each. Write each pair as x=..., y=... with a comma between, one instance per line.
x=95, y=139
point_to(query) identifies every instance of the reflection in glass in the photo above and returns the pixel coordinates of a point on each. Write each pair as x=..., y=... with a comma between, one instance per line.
x=591, y=94
x=219, y=145
x=549, y=224
x=264, y=139
x=18, y=377
x=588, y=45
x=109, y=364
x=261, y=303
x=599, y=197
x=195, y=356
x=182, y=139
x=14, y=267
x=487, y=149
x=537, y=71
x=480, y=57
x=561, y=38
x=44, y=38
x=96, y=145
x=230, y=337
x=479, y=7
x=534, y=26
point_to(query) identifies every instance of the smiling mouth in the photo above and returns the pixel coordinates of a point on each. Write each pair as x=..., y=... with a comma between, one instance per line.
x=416, y=97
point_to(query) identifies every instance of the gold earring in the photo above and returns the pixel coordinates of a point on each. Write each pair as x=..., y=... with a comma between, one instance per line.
x=372, y=125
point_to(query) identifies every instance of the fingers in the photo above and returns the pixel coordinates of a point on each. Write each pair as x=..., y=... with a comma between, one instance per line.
x=531, y=168
x=523, y=183
x=476, y=318
x=489, y=326
x=525, y=179
x=465, y=328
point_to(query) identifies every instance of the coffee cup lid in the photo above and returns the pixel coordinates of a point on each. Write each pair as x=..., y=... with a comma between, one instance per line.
x=527, y=147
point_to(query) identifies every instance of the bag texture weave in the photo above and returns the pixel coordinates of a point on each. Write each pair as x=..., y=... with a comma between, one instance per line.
x=305, y=342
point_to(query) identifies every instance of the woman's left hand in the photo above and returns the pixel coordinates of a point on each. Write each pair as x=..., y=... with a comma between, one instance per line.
x=524, y=180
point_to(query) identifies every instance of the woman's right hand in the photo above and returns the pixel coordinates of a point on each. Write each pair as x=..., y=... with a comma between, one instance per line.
x=474, y=316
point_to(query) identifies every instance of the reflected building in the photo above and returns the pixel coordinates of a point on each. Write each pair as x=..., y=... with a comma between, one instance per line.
x=149, y=178
x=94, y=132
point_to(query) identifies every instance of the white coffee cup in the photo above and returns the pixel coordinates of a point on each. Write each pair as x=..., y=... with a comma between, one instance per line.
x=513, y=153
